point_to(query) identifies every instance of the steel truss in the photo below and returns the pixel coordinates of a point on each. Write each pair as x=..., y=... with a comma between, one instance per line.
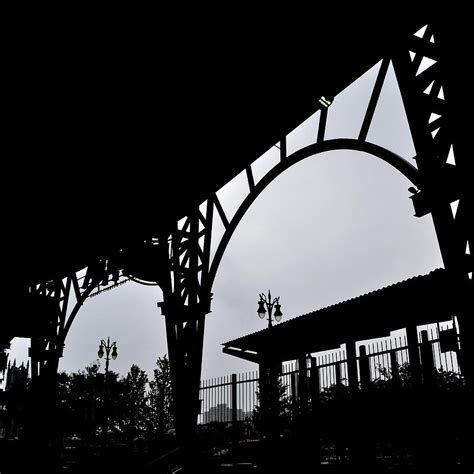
x=47, y=349
x=180, y=261
x=47, y=343
x=436, y=180
x=418, y=67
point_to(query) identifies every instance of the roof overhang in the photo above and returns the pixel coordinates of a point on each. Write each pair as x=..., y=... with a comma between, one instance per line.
x=420, y=300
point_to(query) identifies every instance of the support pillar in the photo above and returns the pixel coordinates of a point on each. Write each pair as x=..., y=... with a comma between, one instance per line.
x=185, y=342
x=352, y=365
x=183, y=276
x=303, y=383
x=364, y=368
x=50, y=304
x=443, y=162
x=314, y=384
x=427, y=359
x=414, y=354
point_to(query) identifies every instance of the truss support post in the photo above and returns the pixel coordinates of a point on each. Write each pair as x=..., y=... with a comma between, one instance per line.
x=351, y=356
x=45, y=351
x=414, y=354
x=184, y=280
x=440, y=181
x=303, y=383
x=185, y=344
x=42, y=418
x=434, y=118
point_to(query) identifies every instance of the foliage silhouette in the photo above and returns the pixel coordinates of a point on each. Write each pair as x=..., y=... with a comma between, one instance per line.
x=161, y=399
x=132, y=408
x=272, y=414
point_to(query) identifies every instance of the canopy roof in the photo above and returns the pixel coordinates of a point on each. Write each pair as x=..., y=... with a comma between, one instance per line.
x=115, y=139
x=419, y=300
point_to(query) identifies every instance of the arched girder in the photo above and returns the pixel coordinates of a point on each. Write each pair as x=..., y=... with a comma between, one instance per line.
x=49, y=349
x=80, y=301
x=399, y=163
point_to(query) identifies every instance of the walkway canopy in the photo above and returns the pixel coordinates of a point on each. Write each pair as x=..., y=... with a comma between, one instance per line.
x=116, y=135
x=419, y=300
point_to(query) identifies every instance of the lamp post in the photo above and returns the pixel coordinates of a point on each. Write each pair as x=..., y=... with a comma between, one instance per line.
x=269, y=369
x=108, y=347
x=269, y=304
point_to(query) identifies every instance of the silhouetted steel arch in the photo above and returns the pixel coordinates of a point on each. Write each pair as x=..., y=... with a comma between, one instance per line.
x=399, y=163
x=83, y=297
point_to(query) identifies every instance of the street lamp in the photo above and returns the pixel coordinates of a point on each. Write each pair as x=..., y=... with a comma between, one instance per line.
x=267, y=302
x=108, y=347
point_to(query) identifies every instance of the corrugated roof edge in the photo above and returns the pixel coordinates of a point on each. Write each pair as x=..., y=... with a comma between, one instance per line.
x=437, y=271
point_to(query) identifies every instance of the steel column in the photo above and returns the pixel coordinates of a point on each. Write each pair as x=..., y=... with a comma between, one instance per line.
x=431, y=120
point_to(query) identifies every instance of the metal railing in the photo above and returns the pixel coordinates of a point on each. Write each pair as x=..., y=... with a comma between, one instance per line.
x=234, y=398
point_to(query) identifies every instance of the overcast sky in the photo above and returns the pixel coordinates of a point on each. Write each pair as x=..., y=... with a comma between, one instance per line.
x=330, y=228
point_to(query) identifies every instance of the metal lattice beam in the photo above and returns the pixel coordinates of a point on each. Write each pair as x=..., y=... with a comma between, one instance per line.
x=418, y=71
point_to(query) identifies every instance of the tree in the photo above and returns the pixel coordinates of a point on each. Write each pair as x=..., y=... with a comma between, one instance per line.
x=160, y=397
x=134, y=411
x=274, y=408
x=81, y=399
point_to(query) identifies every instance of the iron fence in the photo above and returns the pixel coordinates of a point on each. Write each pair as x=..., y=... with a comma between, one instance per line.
x=217, y=398
x=234, y=398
